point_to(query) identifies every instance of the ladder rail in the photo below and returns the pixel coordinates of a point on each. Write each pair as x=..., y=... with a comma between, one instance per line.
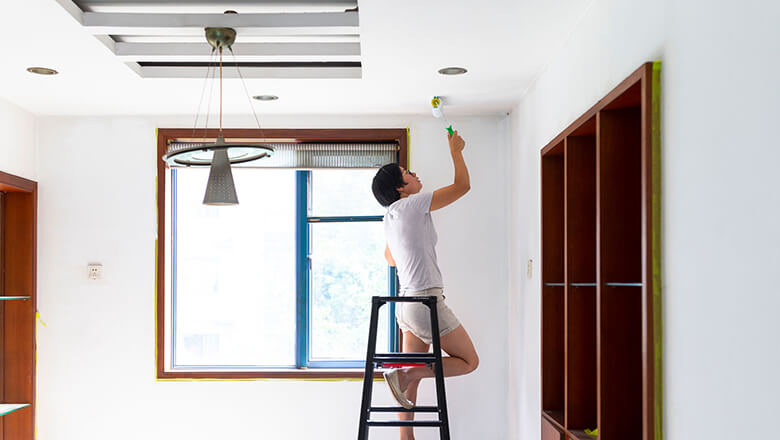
x=368, y=375
x=438, y=373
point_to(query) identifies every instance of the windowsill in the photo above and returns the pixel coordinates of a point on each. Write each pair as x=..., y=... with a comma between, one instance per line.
x=302, y=374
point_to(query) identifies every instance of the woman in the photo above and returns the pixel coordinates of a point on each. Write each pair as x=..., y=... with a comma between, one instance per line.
x=411, y=247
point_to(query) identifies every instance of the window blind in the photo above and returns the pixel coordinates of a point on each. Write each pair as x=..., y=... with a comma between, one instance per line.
x=322, y=155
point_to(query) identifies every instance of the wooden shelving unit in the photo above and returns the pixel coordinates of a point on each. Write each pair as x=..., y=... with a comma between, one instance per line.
x=601, y=333
x=18, y=219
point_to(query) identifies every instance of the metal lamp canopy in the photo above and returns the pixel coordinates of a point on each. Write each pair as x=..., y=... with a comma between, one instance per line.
x=219, y=37
x=220, y=189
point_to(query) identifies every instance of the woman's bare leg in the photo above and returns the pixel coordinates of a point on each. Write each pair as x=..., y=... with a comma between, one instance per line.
x=412, y=344
x=462, y=359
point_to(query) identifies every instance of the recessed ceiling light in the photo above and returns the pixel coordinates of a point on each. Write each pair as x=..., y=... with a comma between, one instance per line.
x=42, y=70
x=452, y=71
x=266, y=97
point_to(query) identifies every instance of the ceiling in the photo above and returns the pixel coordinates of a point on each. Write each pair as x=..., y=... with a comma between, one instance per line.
x=393, y=50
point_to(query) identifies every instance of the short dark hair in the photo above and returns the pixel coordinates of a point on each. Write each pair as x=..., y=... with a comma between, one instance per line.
x=386, y=182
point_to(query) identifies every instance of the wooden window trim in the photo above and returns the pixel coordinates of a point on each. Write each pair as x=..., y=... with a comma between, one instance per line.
x=167, y=135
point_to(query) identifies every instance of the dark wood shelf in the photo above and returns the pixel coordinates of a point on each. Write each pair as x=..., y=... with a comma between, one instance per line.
x=18, y=229
x=600, y=335
x=553, y=300
x=580, y=434
x=555, y=417
x=580, y=273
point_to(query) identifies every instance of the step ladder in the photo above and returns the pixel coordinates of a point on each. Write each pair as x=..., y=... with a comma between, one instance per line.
x=378, y=360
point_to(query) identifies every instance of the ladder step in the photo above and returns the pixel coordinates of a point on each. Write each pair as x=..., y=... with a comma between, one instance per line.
x=381, y=362
x=403, y=423
x=420, y=299
x=432, y=409
x=404, y=354
x=404, y=357
x=395, y=365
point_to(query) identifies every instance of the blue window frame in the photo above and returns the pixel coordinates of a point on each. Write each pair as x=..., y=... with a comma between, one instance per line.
x=304, y=222
x=303, y=272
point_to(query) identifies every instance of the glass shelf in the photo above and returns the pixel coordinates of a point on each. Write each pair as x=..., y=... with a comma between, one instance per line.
x=7, y=408
x=594, y=284
x=7, y=298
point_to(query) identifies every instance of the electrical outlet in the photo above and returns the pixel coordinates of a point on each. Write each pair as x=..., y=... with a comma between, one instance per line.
x=94, y=271
x=530, y=268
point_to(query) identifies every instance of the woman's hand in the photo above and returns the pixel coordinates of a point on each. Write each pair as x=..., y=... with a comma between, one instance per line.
x=457, y=144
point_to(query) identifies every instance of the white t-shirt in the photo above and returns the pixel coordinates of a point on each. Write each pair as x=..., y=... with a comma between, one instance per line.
x=412, y=239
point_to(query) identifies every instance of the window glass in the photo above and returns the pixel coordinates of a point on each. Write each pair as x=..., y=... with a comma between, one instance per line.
x=234, y=300
x=343, y=193
x=348, y=268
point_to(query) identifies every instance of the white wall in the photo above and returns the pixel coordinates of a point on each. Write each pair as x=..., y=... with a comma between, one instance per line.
x=721, y=245
x=17, y=144
x=96, y=370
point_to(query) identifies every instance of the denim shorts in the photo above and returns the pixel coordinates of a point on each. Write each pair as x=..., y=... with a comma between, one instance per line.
x=416, y=318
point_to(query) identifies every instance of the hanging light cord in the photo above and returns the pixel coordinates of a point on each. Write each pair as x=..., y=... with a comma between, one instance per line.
x=246, y=92
x=208, y=106
x=212, y=73
x=220, y=90
x=203, y=91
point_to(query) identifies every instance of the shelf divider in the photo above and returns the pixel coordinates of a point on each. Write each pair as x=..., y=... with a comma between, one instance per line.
x=580, y=218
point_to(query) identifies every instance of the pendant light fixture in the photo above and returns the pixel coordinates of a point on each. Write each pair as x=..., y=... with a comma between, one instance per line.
x=219, y=155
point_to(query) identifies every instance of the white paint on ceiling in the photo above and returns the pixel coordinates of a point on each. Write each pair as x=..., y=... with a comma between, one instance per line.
x=403, y=43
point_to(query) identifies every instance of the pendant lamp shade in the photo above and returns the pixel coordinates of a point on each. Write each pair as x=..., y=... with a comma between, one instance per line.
x=220, y=189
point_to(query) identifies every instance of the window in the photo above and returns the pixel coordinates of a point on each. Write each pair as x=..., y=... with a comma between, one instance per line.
x=233, y=272
x=276, y=285
x=346, y=266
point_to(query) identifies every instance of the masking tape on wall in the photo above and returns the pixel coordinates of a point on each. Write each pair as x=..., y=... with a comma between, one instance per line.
x=656, y=250
x=408, y=148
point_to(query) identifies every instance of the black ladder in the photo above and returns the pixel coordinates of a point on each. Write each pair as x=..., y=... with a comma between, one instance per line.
x=376, y=360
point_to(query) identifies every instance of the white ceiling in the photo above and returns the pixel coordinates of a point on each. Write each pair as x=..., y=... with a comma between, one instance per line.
x=503, y=43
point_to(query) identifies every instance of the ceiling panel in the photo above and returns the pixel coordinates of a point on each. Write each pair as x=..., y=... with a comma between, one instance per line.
x=275, y=38
x=214, y=7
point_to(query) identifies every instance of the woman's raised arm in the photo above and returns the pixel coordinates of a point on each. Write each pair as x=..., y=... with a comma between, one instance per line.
x=448, y=194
